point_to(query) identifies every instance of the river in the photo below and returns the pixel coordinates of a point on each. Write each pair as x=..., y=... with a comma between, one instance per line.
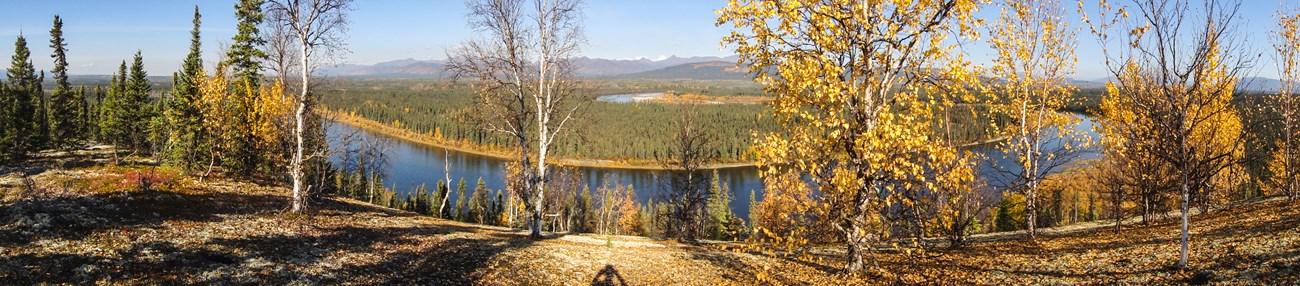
x=412, y=164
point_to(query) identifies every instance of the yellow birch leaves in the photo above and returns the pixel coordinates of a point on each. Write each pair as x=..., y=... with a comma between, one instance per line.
x=847, y=79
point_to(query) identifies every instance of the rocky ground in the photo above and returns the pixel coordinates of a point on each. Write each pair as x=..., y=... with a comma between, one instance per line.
x=83, y=223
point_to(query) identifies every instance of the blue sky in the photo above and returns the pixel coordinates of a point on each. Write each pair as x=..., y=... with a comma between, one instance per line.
x=100, y=34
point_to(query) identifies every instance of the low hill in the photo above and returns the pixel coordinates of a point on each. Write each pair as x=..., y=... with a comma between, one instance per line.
x=92, y=225
x=712, y=70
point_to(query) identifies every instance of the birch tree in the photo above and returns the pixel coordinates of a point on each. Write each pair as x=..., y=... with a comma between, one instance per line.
x=1285, y=164
x=848, y=78
x=280, y=48
x=524, y=77
x=318, y=28
x=1034, y=44
x=1176, y=73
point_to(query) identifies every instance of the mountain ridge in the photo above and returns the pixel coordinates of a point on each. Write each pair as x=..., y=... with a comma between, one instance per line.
x=588, y=67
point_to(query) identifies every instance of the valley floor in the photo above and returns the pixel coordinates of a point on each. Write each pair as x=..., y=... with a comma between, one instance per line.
x=79, y=225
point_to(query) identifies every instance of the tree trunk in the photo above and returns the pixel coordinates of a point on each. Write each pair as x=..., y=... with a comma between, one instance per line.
x=1031, y=213
x=855, y=249
x=446, y=169
x=537, y=202
x=295, y=169
x=1182, y=256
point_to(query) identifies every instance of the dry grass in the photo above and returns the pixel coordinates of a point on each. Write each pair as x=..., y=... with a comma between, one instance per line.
x=70, y=229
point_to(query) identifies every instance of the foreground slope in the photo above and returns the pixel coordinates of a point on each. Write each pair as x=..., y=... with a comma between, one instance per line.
x=92, y=225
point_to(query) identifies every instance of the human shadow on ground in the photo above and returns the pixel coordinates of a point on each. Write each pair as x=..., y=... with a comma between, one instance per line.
x=608, y=276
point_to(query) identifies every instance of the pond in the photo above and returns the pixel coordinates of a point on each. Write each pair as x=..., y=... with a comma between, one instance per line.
x=413, y=164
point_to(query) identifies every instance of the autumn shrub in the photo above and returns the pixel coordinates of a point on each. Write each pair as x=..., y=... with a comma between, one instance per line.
x=785, y=210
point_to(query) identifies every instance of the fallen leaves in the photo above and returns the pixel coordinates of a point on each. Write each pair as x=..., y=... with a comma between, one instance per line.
x=230, y=232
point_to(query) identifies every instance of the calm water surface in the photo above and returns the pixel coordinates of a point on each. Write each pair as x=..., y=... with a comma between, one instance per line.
x=413, y=164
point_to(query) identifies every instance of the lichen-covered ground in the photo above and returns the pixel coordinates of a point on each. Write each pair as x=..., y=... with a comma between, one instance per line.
x=88, y=224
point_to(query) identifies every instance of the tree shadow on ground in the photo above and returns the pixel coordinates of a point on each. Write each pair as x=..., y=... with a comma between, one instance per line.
x=453, y=261
x=72, y=218
x=421, y=254
x=156, y=262
x=48, y=160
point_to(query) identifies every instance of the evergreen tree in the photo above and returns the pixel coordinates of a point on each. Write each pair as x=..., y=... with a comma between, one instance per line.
x=184, y=109
x=460, y=200
x=244, y=60
x=499, y=207
x=83, y=125
x=1004, y=222
x=6, y=137
x=439, y=193
x=477, y=211
x=23, y=102
x=244, y=57
x=42, y=115
x=585, y=210
x=93, y=109
x=65, y=112
x=136, y=90
x=719, y=213
x=112, y=129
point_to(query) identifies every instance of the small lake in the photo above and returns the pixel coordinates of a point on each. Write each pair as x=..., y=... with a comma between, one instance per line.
x=412, y=164
x=630, y=97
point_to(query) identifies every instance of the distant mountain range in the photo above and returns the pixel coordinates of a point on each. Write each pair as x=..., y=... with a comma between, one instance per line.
x=588, y=67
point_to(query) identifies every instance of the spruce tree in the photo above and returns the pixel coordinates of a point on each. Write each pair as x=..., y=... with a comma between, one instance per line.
x=498, y=207
x=719, y=212
x=477, y=211
x=6, y=137
x=113, y=110
x=460, y=200
x=136, y=90
x=63, y=102
x=83, y=115
x=93, y=113
x=244, y=58
x=184, y=112
x=23, y=102
x=42, y=115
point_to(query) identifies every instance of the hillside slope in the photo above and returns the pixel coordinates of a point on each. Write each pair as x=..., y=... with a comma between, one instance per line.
x=711, y=70
x=88, y=225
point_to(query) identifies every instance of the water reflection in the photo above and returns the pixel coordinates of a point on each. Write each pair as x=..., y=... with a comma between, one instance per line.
x=413, y=164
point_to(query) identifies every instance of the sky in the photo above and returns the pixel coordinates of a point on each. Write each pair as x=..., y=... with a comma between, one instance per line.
x=102, y=34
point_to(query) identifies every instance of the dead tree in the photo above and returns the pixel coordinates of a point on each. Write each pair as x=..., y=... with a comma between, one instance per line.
x=683, y=183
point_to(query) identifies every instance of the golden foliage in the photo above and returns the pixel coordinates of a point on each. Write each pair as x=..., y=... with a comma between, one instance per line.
x=239, y=116
x=1285, y=162
x=847, y=96
x=1028, y=86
